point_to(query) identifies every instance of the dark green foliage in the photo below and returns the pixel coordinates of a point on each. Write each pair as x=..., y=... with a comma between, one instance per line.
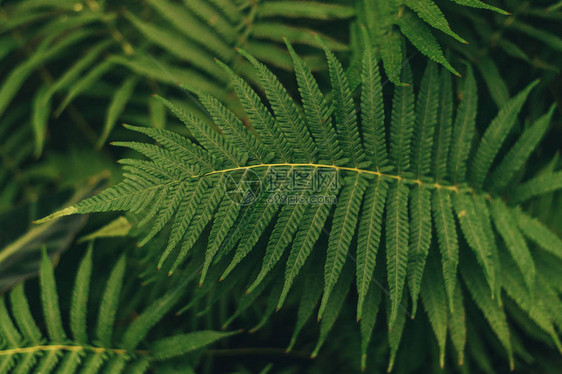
x=358, y=185
x=188, y=192
x=26, y=348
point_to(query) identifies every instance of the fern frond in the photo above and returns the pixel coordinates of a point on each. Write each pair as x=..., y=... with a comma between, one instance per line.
x=402, y=124
x=397, y=232
x=444, y=128
x=50, y=301
x=367, y=323
x=537, y=186
x=476, y=284
x=538, y=233
x=391, y=54
x=430, y=13
x=447, y=239
x=495, y=135
x=341, y=233
x=425, y=121
x=312, y=290
x=476, y=236
x=281, y=184
x=420, y=36
x=316, y=110
x=506, y=225
x=24, y=348
x=463, y=129
x=520, y=152
x=78, y=308
x=345, y=116
x=286, y=112
x=435, y=304
x=420, y=240
x=368, y=238
x=372, y=108
x=334, y=306
x=456, y=323
x=260, y=117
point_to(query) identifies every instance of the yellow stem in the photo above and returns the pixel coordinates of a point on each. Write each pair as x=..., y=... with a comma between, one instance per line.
x=74, y=348
x=434, y=185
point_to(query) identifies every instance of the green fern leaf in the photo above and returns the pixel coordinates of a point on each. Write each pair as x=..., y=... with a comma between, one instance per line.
x=116, y=107
x=233, y=129
x=79, y=306
x=176, y=45
x=444, y=130
x=442, y=209
x=520, y=152
x=193, y=28
x=224, y=220
x=50, y=301
x=202, y=217
x=422, y=38
x=190, y=152
x=402, y=124
x=316, y=111
x=506, y=225
x=480, y=4
x=286, y=112
x=312, y=290
x=372, y=108
x=368, y=238
x=315, y=217
x=311, y=9
x=367, y=323
x=208, y=137
x=10, y=335
x=463, y=129
x=397, y=232
x=495, y=135
x=537, y=186
x=285, y=228
x=538, y=233
x=260, y=117
x=525, y=298
x=109, y=302
x=334, y=306
x=341, y=233
x=425, y=121
x=430, y=13
x=435, y=304
x=456, y=323
x=391, y=54
x=23, y=316
x=395, y=335
x=420, y=240
x=476, y=284
x=346, y=119
x=474, y=232
x=186, y=209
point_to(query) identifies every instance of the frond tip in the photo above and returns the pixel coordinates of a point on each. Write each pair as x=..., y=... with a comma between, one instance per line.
x=61, y=213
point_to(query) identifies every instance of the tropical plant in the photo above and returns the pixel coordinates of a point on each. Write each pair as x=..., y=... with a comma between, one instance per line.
x=102, y=39
x=425, y=183
x=25, y=347
x=389, y=184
